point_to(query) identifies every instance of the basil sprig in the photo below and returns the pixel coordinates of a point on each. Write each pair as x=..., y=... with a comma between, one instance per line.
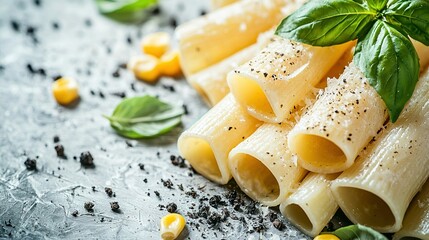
x=125, y=10
x=384, y=53
x=144, y=117
x=358, y=232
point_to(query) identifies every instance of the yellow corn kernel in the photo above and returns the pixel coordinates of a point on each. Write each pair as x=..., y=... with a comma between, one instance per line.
x=65, y=90
x=146, y=68
x=171, y=226
x=156, y=44
x=170, y=64
x=326, y=237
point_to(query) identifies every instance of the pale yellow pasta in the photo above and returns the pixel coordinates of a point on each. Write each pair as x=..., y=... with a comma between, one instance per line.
x=207, y=143
x=345, y=118
x=312, y=205
x=378, y=188
x=211, y=84
x=209, y=39
x=416, y=221
x=271, y=84
x=263, y=166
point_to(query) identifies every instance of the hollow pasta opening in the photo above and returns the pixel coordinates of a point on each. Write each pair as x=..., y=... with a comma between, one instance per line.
x=250, y=95
x=365, y=207
x=200, y=154
x=256, y=179
x=298, y=216
x=319, y=152
x=410, y=238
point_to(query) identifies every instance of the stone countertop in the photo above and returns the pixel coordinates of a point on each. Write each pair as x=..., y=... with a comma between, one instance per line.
x=43, y=39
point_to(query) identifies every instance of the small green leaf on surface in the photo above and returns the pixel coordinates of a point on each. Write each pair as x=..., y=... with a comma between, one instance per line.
x=125, y=10
x=326, y=22
x=358, y=232
x=412, y=16
x=144, y=117
x=391, y=65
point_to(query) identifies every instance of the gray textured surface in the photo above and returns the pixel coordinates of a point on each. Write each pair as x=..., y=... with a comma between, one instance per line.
x=38, y=204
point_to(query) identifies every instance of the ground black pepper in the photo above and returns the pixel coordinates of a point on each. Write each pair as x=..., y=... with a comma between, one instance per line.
x=171, y=207
x=59, y=148
x=114, y=206
x=86, y=159
x=89, y=206
x=108, y=191
x=30, y=164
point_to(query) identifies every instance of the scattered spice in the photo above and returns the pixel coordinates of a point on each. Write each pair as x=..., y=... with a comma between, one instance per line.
x=86, y=159
x=59, y=148
x=141, y=166
x=278, y=224
x=171, y=207
x=75, y=213
x=30, y=164
x=114, y=206
x=108, y=191
x=89, y=206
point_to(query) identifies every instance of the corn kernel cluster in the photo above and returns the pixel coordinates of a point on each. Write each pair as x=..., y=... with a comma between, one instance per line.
x=157, y=60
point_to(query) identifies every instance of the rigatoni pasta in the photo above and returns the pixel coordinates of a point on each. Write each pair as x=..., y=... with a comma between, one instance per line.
x=263, y=166
x=312, y=205
x=345, y=118
x=209, y=39
x=211, y=84
x=271, y=84
x=207, y=143
x=416, y=221
x=378, y=188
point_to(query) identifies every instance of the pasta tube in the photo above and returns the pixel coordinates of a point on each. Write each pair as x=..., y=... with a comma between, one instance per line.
x=345, y=118
x=378, y=188
x=207, y=143
x=263, y=166
x=416, y=221
x=217, y=35
x=271, y=84
x=312, y=205
x=211, y=84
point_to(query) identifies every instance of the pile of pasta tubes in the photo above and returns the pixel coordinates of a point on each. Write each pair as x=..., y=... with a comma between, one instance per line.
x=300, y=126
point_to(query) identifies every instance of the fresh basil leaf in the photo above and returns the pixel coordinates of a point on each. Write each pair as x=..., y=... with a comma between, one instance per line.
x=377, y=5
x=412, y=16
x=358, y=232
x=145, y=129
x=390, y=62
x=125, y=10
x=143, y=117
x=327, y=22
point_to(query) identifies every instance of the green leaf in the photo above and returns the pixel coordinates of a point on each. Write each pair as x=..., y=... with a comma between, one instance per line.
x=125, y=10
x=327, y=22
x=377, y=5
x=390, y=62
x=358, y=232
x=412, y=16
x=144, y=117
